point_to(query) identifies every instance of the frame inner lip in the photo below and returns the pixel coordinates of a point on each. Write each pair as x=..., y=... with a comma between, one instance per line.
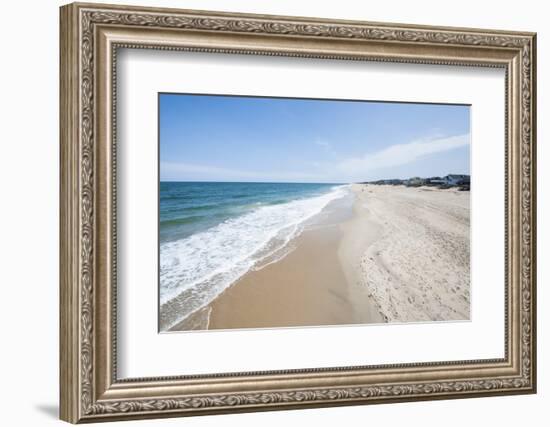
x=331, y=371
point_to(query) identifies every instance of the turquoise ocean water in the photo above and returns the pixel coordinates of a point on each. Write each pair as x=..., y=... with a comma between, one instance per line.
x=211, y=233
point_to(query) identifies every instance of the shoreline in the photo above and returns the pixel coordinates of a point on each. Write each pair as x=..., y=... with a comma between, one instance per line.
x=359, y=261
x=309, y=286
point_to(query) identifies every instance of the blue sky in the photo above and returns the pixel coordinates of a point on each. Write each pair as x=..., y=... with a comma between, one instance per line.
x=231, y=138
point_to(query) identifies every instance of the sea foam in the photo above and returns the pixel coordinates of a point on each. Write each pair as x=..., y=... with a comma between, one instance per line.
x=196, y=269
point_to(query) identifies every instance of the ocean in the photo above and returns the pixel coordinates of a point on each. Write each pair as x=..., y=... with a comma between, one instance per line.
x=211, y=233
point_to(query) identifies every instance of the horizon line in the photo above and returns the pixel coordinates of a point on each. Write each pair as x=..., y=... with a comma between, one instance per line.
x=254, y=182
x=303, y=182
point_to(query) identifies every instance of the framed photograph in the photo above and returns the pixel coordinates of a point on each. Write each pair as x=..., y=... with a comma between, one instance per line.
x=266, y=212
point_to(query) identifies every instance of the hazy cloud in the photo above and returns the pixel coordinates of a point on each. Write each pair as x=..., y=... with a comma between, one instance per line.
x=401, y=154
x=351, y=169
x=186, y=171
x=325, y=145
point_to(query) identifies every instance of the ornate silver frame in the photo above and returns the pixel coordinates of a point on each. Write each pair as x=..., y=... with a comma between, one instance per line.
x=90, y=36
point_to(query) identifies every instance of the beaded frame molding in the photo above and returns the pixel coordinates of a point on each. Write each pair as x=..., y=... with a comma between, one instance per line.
x=90, y=37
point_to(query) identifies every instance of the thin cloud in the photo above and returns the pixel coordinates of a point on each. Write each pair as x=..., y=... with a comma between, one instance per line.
x=347, y=170
x=401, y=154
x=325, y=145
x=171, y=171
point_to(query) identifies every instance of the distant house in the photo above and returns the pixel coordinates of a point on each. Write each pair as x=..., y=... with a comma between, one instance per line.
x=457, y=179
x=415, y=182
x=451, y=180
x=386, y=182
x=435, y=181
x=394, y=181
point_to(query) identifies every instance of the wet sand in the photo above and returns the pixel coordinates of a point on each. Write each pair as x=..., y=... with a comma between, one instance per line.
x=381, y=254
x=307, y=287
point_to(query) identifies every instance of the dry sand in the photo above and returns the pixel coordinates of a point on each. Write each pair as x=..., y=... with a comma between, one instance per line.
x=419, y=267
x=382, y=254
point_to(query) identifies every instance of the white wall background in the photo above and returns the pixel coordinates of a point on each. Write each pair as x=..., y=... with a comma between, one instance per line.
x=29, y=171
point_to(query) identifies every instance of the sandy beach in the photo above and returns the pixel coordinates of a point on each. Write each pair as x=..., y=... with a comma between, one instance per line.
x=418, y=269
x=379, y=254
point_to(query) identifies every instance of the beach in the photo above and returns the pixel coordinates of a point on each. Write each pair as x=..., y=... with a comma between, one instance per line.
x=377, y=254
x=418, y=269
